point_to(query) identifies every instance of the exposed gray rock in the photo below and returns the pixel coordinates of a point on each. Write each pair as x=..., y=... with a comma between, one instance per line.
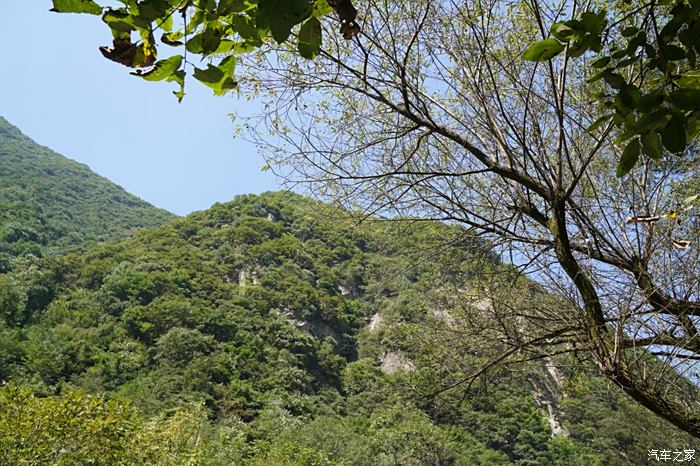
x=393, y=362
x=547, y=393
x=247, y=276
x=444, y=316
x=374, y=322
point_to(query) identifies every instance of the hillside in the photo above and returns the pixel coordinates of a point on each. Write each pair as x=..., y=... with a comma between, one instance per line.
x=276, y=330
x=51, y=204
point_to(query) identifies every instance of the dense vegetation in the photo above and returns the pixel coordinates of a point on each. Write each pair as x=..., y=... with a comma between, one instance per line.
x=51, y=204
x=241, y=335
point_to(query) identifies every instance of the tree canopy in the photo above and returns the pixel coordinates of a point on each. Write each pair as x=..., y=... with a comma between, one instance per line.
x=647, y=56
x=239, y=335
x=207, y=28
x=436, y=110
x=450, y=123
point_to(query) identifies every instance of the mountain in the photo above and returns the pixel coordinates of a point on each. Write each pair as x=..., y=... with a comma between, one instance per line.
x=275, y=330
x=50, y=204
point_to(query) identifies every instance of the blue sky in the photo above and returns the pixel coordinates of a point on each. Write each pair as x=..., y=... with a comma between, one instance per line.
x=59, y=90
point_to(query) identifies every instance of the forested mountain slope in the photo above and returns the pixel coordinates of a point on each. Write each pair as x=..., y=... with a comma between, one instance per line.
x=49, y=203
x=276, y=330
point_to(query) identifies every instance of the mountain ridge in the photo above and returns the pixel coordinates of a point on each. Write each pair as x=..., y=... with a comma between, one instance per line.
x=275, y=330
x=50, y=203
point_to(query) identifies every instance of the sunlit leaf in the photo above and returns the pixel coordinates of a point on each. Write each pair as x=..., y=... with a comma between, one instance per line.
x=543, y=50
x=119, y=20
x=568, y=30
x=163, y=69
x=76, y=6
x=218, y=78
x=321, y=8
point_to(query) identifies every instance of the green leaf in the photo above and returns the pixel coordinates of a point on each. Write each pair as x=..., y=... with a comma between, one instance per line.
x=218, y=78
x=601, y=62
x=686, y=98
x=162, y=69
x=629, y=31
x=579, y=47
x=674, y=135
x=614, y=79
x=630, y=95
x=625, y=63
x=310, y=38
x=76, y=6
x=650, y=121
x=119, y=20
x=652, y=100
x=280, y=16
x=194, y=44
x=619, y=54
x=543, y=50
x=629, y=158
x=651, y=143
x=225, y=46
x=568, y=30
x=668, y=33
x=211, y=38
x=227, y=7
x=690, y=80
x=245, y=27
x=152, y=10
x=673, y=53
x=228, y=65
x=597, y=76
x=598, y=123
x=594, y=22
x=321, y=8
x=211, y=75
x=172, y=38
x=179, y=78
x=639, y=40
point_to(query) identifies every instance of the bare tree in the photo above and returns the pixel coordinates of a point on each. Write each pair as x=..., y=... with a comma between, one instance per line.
x=430, y=112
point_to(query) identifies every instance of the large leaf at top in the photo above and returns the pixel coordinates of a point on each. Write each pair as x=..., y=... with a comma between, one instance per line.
x=310, y=38
x=280, y=16
x=76, y=6
x=543, y=50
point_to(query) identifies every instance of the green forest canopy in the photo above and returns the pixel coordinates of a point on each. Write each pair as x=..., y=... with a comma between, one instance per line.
x=239, y=335
x=51, y=204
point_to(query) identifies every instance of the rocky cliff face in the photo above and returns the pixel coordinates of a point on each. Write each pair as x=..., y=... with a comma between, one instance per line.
x=547, y=392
